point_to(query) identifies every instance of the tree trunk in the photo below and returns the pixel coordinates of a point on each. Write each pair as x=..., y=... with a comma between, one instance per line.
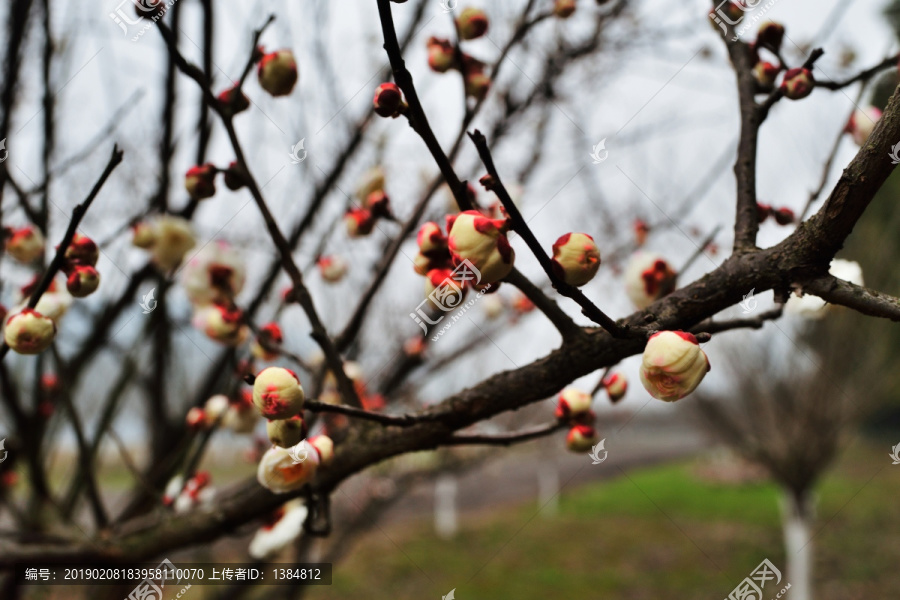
x=797, y=515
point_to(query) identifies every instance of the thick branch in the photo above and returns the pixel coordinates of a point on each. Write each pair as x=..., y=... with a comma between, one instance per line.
x=861, y=299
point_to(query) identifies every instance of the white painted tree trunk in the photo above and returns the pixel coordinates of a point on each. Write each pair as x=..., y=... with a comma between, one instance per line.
x=797, y=516
x=446, y=523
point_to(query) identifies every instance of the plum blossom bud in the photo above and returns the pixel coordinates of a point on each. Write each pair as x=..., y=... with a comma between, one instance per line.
x=286, y=432
x=492, y=305
x=82, y=281
x=616, y=385
x=277, y=72
x=379, y=204
x=472, y=23
x=332, y=268
x=167, y=237
x=576, y=258
x=325, y=447
x=173, y=489
x=483, y=243
x=765, y=74
x=371, y=181
x=798, y=83
x=862, y=123
x=214, y=408
x=770, y=36
x=234, y=177
x=783, y=216
x=431, y=239
x=241, y=416
x=278, y=473
x=572, y=402
x=673, y=365
x=143, y=235
x=82, y=251
x=215, y=274
x=53, y=303
x=441, y=55
x=267, y=343
x=233, y=101
x=277, y=393
x=196, y=418
x=581, y=438
x=29, y=332
x=196, y=492
x=648, y=277
x=26, y=244
x=221, y=323
x=478, y=83
x=813, y=307
x=200, y=181
x=564, y=8
x=359, y=222
x=762, y=211
x=522, y=304
x=388, y=100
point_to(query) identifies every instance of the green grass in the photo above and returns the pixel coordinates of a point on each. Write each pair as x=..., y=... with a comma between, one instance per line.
x=657, y=533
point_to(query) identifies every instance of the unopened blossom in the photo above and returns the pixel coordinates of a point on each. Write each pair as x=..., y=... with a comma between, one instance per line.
x=286, y=432
x=388, y=100
x=359, y=222
x=29, y=332
x=472, y=23
x=82, y=281
x=221, y=323
x=673, y=365
x=813, y=307
x=233, y=100
x=616, y=386
x=214, y=274
x=82, y=251
x=214, y=408
x=862, y=123
x=196, y=493
x=277, y=72
x=441, y=54
x=332, y=268
x=581, y=438
x=25, y=244
x=195, y=418
x=371, y=181
x=648, y=277
x=798, y=83
x=765, y=74
x=167, y=237
x=279, y=473
x=241, y=416
x=324, y=445
x=576, y=258
x=267, y=342
x=277, y=393
x=483, y=242
x=564, y=8
x=770, y=36
x=200, y=181
x=572, y=402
